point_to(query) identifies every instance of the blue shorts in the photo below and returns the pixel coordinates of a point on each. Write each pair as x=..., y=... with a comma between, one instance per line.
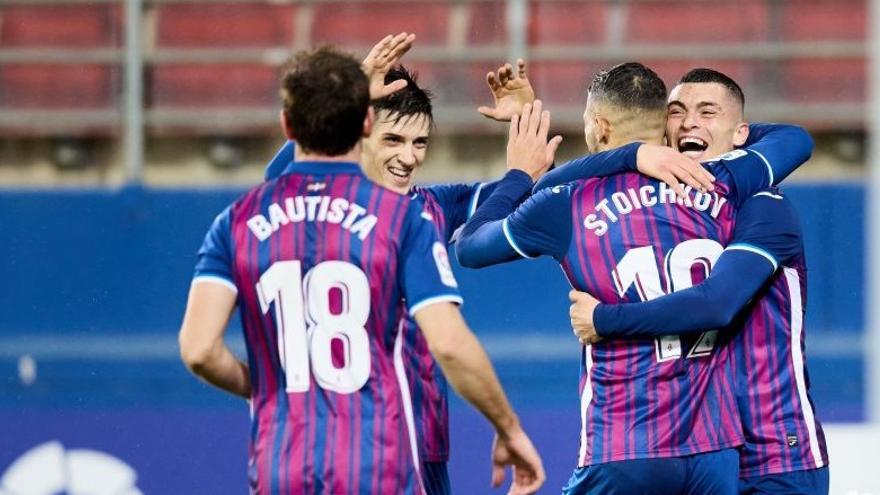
x=812, y=482
x=712, y=473
x=436, y=478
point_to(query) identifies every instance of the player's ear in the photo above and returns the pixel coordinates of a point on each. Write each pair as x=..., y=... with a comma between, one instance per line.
x=741, y=134
x=603, y=130
x=285, y=125
x=368, y=122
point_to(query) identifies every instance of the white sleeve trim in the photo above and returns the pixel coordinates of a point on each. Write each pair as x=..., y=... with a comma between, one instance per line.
x=769, y=195
x=214, y=279
x=509, y=237
x=756, y=250
x=434, y=300
x=769, y=168
x=475, y=200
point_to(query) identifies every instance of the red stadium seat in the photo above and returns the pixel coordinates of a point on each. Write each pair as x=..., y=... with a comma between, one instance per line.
x=563, y=82
x=825, y=81
x=238, y=25
x=455, y=83
x=488, y=23
x=837, y=20
x=58, y=86
x=682, y=22
x=199, y=86
x=567, y=22
x=363, y=23
x=62, y=26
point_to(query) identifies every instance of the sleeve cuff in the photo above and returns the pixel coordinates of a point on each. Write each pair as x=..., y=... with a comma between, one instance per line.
x=756, y=250
x=424, y=303
x=215, y=279
x=603, y=315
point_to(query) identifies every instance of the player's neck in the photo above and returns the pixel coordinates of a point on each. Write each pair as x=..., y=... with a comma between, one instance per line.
x=353, y=155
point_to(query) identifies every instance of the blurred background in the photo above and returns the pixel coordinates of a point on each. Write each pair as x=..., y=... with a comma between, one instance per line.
x=127, y=125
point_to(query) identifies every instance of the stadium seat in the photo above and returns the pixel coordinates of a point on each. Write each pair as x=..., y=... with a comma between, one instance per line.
x=825, y=20
x=563, y=82
x=487, y=23
x=362, y=23
x=455, y=83
x=236, y=25
x=60, y=26
x=567, y=22
x=825, y=81
x=672, y=70
x=37, y=86
x=228, y=85
x=666, y=21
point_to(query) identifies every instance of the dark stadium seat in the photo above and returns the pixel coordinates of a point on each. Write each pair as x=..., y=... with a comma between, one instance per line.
x=682, y=22
x=837, y=20
x=228, y=85
x=567, y=22
x=37, y=86
x=363, y=23
x=237, y=25
x=60, y=26
x=825, y=81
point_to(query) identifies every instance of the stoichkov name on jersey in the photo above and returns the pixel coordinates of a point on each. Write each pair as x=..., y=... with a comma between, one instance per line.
x=609, y=210
x=340, y=211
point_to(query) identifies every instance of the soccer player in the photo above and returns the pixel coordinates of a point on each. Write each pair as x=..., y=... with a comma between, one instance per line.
x=392, y=155
x=319, y=261
x=756, y=289
x=656, y=415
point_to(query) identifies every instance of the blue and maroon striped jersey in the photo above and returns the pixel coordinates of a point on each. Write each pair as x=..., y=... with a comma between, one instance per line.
x=321, y=259
x=782, y=431
x=756, y=292
x=627, y=238
x=632, y=241
x=450, y=206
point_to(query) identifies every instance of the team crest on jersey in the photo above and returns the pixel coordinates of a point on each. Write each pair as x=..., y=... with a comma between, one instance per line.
x=441, y=258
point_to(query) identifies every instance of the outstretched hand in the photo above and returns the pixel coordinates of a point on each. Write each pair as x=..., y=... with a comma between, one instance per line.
x=385, y=55
x=527, y=146
x=516, y=450
x=510, y=91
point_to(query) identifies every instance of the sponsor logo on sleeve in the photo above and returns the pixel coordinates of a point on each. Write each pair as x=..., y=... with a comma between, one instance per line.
x=441, y=258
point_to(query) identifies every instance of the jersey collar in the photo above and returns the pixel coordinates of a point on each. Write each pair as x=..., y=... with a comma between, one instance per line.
x=323, y=168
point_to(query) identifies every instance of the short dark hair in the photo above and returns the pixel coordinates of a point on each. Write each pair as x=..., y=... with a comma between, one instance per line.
x=630, y=85
x=704, y=75
x=407, y=102
x=326, y=97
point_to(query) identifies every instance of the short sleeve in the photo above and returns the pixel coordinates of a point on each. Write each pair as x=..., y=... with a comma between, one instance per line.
x=458, y=202
x=767, y=225
x=542, y=224
x=214, y=261
x=425, y=272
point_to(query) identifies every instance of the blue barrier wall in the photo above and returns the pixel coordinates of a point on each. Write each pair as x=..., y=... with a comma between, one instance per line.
x=94, y=289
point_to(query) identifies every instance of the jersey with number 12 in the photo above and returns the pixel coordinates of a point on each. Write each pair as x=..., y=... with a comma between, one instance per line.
x=321, y=259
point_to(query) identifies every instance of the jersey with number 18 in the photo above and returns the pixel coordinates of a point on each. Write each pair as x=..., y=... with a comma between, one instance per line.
x=321, y=259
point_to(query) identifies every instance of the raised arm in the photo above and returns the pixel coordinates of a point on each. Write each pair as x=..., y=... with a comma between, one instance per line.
x=767, y=235
x=485, y=238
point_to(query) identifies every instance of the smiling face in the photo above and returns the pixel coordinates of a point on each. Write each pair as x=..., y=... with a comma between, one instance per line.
x=704, y=120
x=396, y=149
